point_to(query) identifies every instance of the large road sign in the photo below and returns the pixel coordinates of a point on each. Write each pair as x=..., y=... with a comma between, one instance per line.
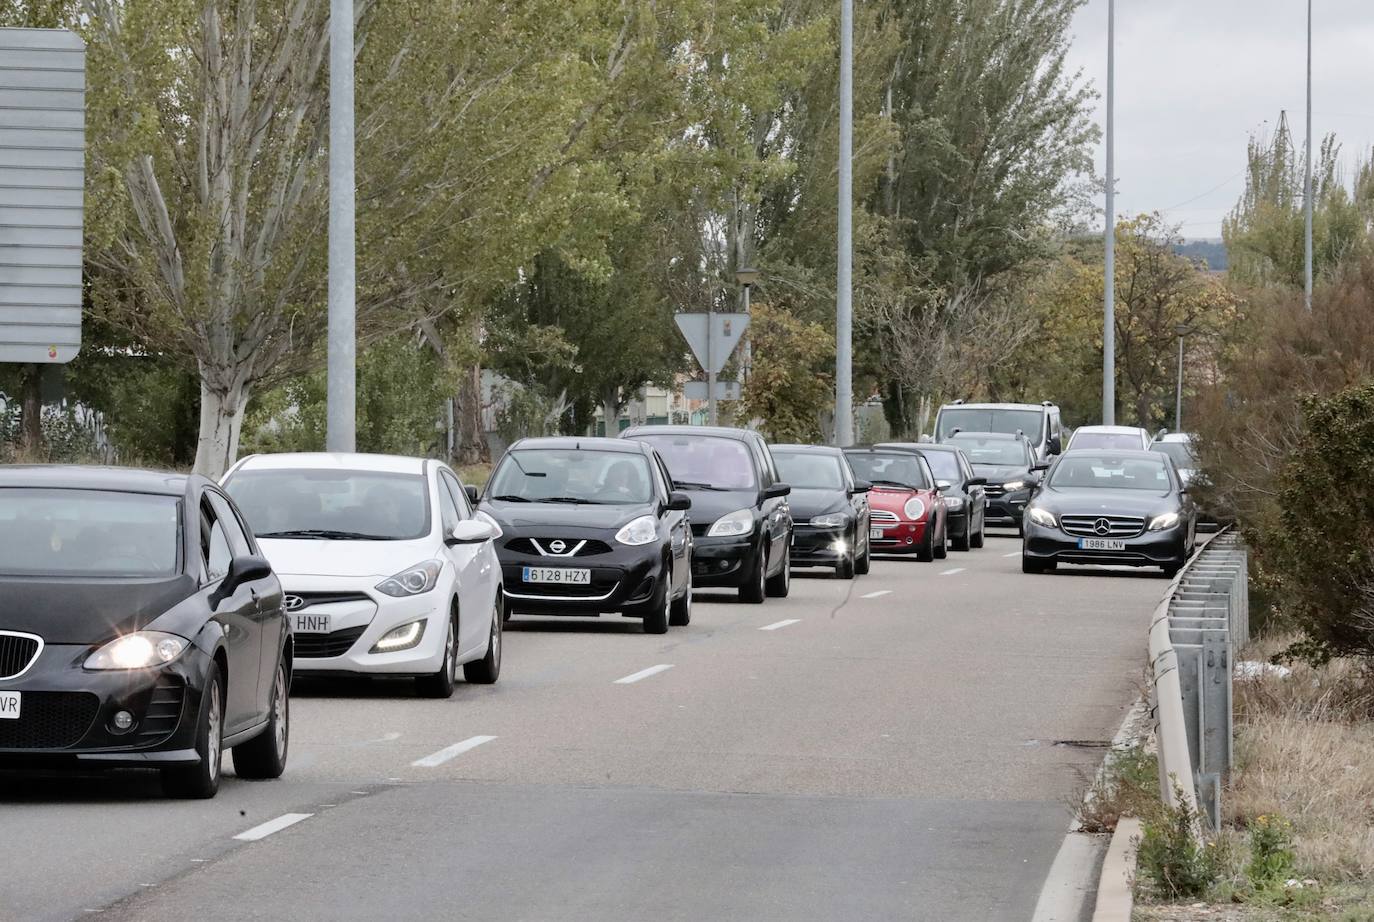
x=725, y=390
x=42, y=178
x=725, y=333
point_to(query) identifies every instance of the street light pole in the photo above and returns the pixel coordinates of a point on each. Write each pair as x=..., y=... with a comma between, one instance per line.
x=341, y=401
x=1109, y=239
x=1307, y=177
x=1181, y=330
x=844, y=305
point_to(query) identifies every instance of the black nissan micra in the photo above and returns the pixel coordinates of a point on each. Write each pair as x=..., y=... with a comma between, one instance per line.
x=139, y=627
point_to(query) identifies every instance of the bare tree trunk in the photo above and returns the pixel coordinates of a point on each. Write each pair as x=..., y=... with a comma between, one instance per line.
x=610, y=407
x=222, y=405
x=32, y=413
x=472, y=441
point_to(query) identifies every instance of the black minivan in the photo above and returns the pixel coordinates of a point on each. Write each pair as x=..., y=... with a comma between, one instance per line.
x=740, y=517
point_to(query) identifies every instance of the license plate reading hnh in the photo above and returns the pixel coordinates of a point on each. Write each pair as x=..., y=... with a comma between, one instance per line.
x=312, y=624
x=9, y=705
x=1101, y=544
x=875, y=532
x=557, y=575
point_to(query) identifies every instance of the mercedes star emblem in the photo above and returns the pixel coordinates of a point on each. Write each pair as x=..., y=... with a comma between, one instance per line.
x=1102, y=527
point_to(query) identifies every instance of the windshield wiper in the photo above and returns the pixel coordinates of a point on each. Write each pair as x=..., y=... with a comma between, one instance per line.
x=325, y=534
x=691, y=485
x=573, y=500
x=893, y=483
x=511, y=498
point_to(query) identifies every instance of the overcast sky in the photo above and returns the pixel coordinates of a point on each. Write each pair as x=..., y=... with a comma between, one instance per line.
x=1194, y=78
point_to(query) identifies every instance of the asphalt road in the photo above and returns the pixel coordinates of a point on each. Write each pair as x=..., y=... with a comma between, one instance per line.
x=905, y=746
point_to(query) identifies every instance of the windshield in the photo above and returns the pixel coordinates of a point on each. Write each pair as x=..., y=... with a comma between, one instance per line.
x=92, y=533
x=998, y=452
x=332, y=504
x=570, y=475
x=1028, y=422
x=945, y=465
x=896, y=469
x=1181, y=452
x=704, y=462
x=1108, y=473
x=1125, y=440
x=809, y=470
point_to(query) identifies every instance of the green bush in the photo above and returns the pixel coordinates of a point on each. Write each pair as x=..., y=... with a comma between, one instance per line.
x=1271, y=851
x=1173, y=859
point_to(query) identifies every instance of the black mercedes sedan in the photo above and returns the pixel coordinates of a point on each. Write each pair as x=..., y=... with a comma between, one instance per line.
x=964, y=492
x=740, y=516
x=591, y=526
x=139, y=627
x=1125, y=508
x=829, y=509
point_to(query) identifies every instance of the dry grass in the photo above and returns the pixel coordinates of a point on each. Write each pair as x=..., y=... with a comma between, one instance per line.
x=474, y=474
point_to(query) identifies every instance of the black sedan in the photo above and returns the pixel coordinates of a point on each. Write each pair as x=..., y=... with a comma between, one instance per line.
x=741, y=519
x=964, y=492
x=140, y=627
x=1009, y=469
x=591, y=526
x=829, y=509
x=1110, y=507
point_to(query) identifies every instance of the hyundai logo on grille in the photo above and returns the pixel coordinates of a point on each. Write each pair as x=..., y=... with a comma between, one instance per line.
x=293, y=603
x=557, y=546
x=1102, y=527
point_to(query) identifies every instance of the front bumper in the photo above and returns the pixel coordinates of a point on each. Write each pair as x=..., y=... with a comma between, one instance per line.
x=819, y=547
x=904, y=537
x=1150, y=549
x=1007, y=509
x=66, y=713
x=724, y=562
x=620, y=581
x=357, y=617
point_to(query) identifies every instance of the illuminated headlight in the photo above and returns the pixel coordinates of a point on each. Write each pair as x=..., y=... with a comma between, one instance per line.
x=954, y=502
x=739, y=522
x=833, y=520
x=400, y=638
x=1161, y=522
x=1042, y=517
x=914, y=508
x=480, y=514
x=419, y=579
x=642, y=530
x=142, y=650
x=1012, y=486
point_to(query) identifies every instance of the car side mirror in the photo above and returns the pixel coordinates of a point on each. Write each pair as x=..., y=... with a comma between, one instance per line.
x=775, y=491
x=943, y=485
x=1055, y=446
x=244, y=569
x=678, y=502
x=977, y=481
x=470, y=531
x=1040, y=466
x=472, y=493
x=860, y=486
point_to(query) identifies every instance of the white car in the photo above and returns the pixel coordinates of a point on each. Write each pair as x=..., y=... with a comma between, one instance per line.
x=385, y=568
x=1130, y=438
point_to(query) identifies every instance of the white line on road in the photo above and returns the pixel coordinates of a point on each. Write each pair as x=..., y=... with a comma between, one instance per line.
x=777, y=624
x=874, y=595
x=954, y=571
x=266, y=829
x=643, y=674
x=449, y=752
x=1013, y=554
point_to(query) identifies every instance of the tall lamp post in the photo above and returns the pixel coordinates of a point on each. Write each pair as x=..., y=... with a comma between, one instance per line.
x=844, y=304
x=1109, y=240
x=1181, y=330
x=341, y=394
x=1307, y=176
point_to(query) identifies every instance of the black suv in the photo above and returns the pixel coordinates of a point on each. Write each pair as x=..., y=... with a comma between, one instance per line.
x=1010, y=468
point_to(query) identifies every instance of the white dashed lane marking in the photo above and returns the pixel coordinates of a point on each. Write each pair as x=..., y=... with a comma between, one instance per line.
x=449, y=752
x=874, y=595
x=954, y=571
x=266, y=829
x=643, y=674
x=1013, y=554
x=777, y=624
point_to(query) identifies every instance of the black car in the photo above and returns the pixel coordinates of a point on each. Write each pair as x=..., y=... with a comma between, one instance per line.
x=740, y=515
x=1009, y=468
x=964, y=494
x=1110, y=507
x=139, y=627
x=590, y=526
x=829, y=509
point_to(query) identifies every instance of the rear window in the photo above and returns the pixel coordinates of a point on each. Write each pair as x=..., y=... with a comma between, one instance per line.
x=93, y=533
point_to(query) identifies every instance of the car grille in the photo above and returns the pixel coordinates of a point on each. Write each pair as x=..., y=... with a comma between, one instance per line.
x=50, y=720
x=882, y=517
x=320, y=646
x=994, y=490
x=1118, y=526
x=307, y=599
x=574, y=547
x=163, y=713
x=17, y=652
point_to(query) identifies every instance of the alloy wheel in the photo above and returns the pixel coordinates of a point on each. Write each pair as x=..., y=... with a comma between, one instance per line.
x=280, y=709
x=214, y=733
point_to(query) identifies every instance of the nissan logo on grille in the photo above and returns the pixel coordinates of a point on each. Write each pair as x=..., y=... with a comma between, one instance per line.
x=1102, y=527
x=558, y=546
x=293, y=602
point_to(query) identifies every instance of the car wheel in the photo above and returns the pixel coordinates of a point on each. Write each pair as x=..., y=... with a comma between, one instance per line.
x=487, y=670
x=1171, y=571
x=1032, y=565
x=964, y=542
x=264, y=756
x=977, y=539
x=865, y=563
x=754, y=590
x=658, y=613
x=927, y=550
x=440, y=684
x=779, y=586
x=202, y=780
x=681, y=614
x=942, y=546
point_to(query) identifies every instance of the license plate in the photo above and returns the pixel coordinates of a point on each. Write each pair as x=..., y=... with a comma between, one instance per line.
x=875, y=532
x=9, y=705
x=557, y=575
x=1101, y=544
x=312, y=624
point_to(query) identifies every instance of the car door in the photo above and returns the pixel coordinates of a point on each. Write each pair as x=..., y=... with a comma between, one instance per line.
x=237, y=614
x=977, y=496
x=676, y=524
x=269, y=619
x=776, y=511
x=475, y=564
x=857, y=502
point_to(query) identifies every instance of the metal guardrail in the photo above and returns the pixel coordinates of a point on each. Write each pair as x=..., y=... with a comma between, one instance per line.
x=1202, y=620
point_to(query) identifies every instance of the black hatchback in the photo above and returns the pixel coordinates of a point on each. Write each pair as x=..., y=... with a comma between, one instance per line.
x=139, y=627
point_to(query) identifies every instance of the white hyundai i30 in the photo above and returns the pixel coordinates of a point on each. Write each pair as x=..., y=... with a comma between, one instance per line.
x=385, y=568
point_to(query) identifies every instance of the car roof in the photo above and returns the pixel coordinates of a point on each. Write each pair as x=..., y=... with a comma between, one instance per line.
x=919, y=446
x=1121, y=430
x=334, y=460
x=1003, y=436
x=720, y=432
x=808, y=449
x=83, y=477
x=1175, y=437
x=577, y=443
x=999, y=406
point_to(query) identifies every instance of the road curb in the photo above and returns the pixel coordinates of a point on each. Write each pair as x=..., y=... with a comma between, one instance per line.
x=1114, y=897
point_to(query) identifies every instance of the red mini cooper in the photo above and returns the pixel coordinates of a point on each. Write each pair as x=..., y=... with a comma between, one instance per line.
x=907, y=511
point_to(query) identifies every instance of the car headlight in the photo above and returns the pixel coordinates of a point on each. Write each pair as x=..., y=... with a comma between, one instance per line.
x=142, y=650
x=1012, y=486
x=954, y=502
x=739, y=522
x=1161, y=522
x=642, y=530
x=914, y=508
x=1042, y=517
x=400, y=638
x=412, y=581
x=480, y=514
x=833, y=520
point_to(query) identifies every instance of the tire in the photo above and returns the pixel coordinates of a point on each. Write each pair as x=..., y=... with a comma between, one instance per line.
x=658, y=613
x=1031, y=565
x=977, y=539
x=681, y=613
x=1171, y=571
x=779, y=586
x=942, y=546
x=754, y=590
x=440, y=684
x=926, y=553
x=264, y=756
x=201, y=781
x=865, y=563
x=964, y=542
x=487, y=670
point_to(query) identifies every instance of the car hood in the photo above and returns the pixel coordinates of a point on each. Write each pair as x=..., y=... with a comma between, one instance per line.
x=89, y=611
x=1096, y=500
x=709, y=505
x=297, y=557
x=1001, y=473
x=807, y=503
x=519, y=517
